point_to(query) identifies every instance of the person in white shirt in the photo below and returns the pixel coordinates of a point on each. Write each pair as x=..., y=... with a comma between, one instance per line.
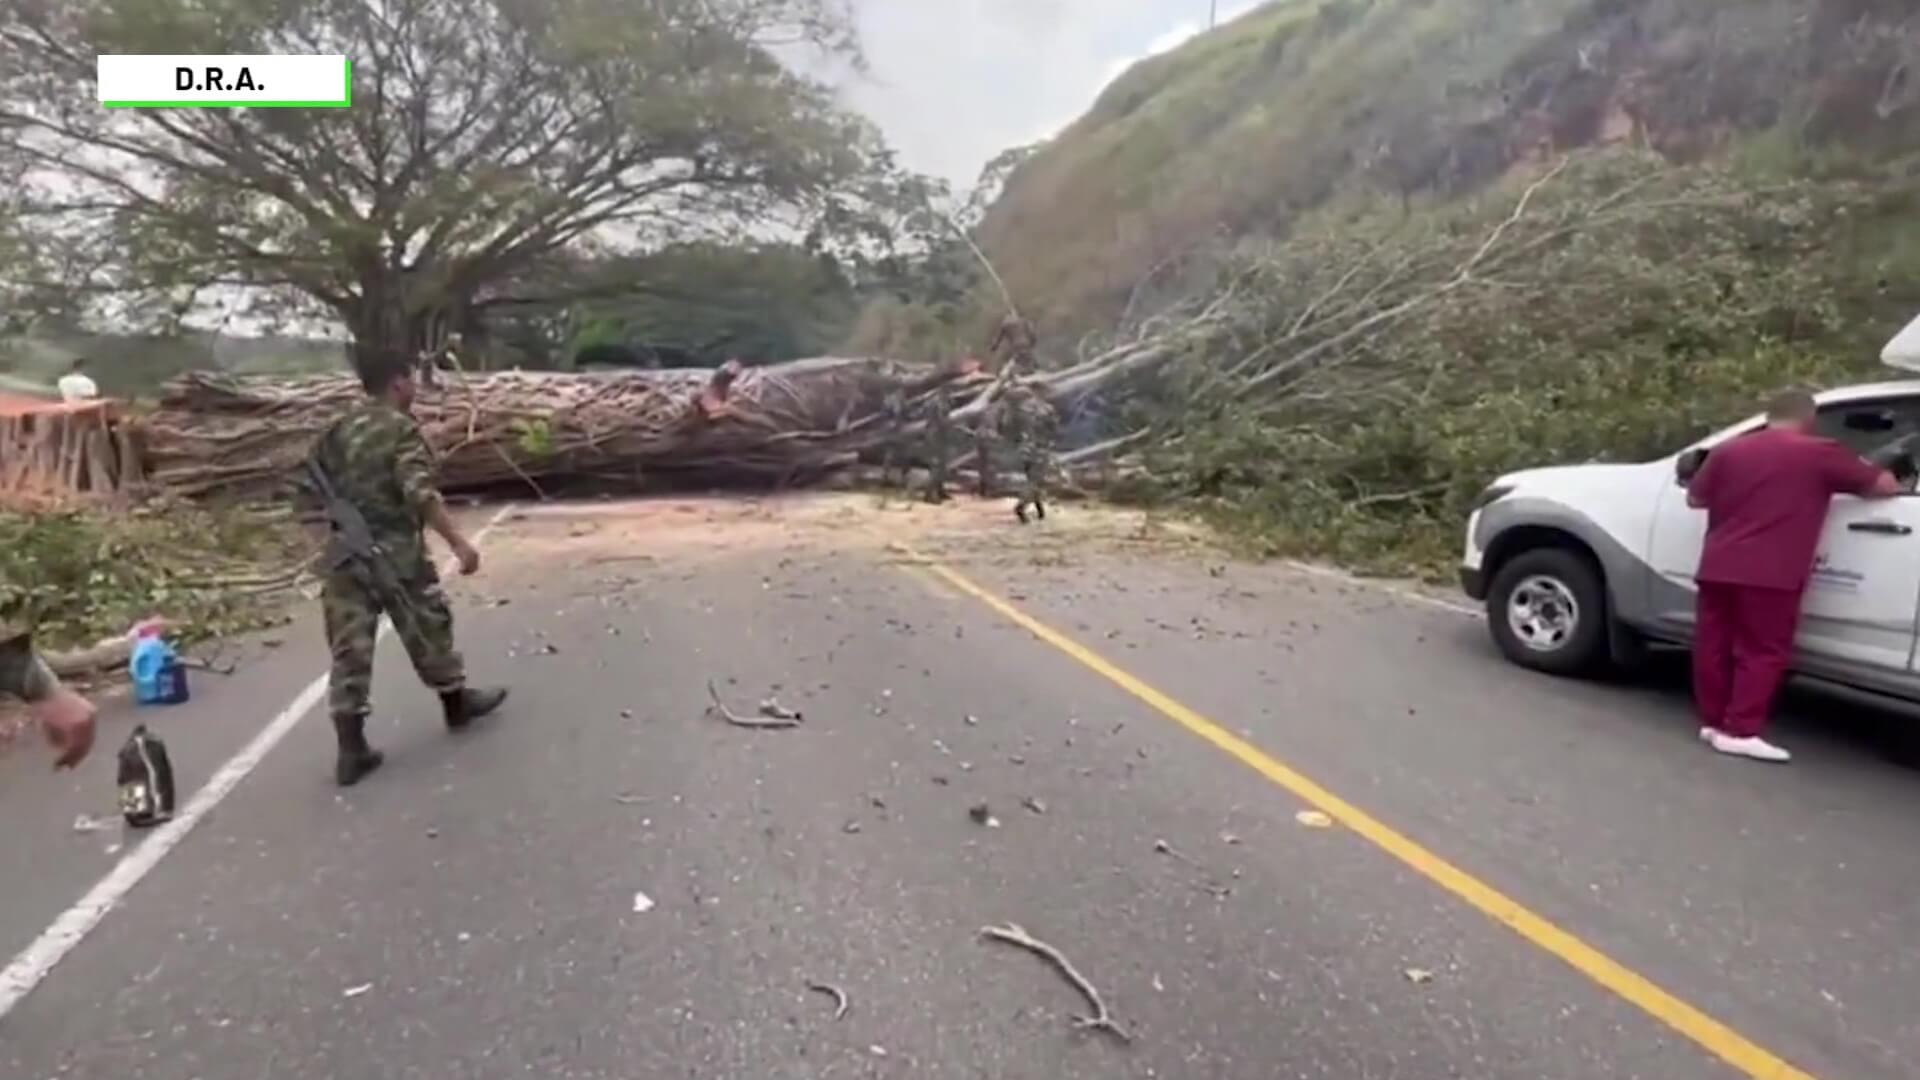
x=75, y=385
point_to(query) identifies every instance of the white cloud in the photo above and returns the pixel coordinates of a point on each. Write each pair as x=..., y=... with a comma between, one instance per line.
x=956, y=81
x=1172, y=38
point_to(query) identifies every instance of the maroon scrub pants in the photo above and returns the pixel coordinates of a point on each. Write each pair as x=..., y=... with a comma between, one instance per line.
x=1744, y=643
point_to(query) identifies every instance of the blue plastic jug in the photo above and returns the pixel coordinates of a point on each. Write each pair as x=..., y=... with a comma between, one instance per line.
x=158, y=676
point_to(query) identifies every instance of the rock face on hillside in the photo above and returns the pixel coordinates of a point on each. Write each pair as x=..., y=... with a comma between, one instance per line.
x=1243, y=129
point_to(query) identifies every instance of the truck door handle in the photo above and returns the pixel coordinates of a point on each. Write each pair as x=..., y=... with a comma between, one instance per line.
x=1886, y=528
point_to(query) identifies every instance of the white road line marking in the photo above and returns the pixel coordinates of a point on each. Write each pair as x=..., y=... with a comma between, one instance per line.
x=38, y=960
x=1411, y=595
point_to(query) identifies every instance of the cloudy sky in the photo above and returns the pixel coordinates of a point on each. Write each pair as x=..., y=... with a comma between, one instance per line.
x=956, y=81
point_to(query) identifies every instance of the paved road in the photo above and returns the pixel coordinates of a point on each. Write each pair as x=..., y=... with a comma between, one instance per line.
x=471, y=912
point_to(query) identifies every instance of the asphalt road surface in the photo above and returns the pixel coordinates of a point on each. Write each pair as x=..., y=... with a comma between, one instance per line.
x=1513, y=877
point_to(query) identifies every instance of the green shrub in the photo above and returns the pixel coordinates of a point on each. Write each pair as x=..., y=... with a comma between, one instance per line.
x=1631, y=308
x=76, y=576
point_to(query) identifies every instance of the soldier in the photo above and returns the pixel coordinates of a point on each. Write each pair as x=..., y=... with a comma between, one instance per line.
x=64, y=717
x=940, y=441
x=894, y=411
x=1015, y=336
x=986, y=435
x=1032, y=424
x=374, y=466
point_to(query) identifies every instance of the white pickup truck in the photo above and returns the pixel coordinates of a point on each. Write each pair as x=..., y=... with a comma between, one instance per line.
x=1586, y=564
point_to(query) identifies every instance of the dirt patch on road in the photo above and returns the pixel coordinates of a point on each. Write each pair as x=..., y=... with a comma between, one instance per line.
x=965, y=530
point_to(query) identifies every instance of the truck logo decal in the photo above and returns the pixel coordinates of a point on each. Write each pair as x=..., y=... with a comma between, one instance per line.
x=1827, y=575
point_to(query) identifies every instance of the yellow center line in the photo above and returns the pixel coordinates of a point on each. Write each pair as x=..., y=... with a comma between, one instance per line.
x=924, y=577
x=1717, y=1038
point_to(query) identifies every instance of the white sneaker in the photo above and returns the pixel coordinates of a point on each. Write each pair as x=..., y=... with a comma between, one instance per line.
x=1753, y=747
x=1707, y=734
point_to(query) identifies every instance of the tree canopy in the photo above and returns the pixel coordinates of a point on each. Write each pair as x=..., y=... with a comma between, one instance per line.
x=687, y=305
x=486, y=138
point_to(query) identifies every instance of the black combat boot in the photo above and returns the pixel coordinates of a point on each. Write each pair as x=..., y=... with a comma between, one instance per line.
x=356, y=759
x=1020, y=511
x=465, y=706
x=1040, y=509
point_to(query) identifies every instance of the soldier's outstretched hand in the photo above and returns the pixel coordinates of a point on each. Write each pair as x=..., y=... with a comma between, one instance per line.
x=67, y=720
x=469, y=557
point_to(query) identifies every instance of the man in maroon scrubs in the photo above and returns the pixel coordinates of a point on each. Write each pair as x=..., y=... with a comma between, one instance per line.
x=1766, y=497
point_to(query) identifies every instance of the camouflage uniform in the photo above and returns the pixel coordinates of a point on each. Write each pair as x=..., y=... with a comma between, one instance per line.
x=1031, y=425
x=895, y=411
x=377, y=460
x=985, y=433
x=939, y=416
x=1013, y=342
x=22, y=673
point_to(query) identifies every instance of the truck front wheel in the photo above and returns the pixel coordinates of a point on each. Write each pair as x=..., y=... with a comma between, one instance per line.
x=1547, y=610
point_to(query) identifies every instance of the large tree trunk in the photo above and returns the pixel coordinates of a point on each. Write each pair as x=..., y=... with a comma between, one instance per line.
x=218, y=434
x=404, y=318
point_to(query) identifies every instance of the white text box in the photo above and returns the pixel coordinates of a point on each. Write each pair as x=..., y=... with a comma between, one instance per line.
x=213, y=81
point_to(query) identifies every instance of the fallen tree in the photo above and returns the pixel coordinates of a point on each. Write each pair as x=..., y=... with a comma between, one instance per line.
x=218, y=434
x=799, y=420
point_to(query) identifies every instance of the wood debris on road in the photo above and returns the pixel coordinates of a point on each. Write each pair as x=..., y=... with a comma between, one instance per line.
x=839, y=996
x=1101, y=1020
x=719, y=709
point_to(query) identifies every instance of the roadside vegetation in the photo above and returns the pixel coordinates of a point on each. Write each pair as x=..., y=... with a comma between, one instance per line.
x=1403, y=246
x=79, y=576
x=1612, y=310
x=1319, y=274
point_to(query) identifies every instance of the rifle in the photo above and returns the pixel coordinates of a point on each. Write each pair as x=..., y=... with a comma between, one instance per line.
x=350, y=542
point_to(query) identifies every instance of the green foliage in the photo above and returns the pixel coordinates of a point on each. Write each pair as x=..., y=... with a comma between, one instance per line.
x=1386, y=491
x=923, y=330
x=136, y=366
x=1630, y=309
x=486, y=137
x=910, y=251
x=78, y=576
x=1246, y=130
x=704, y=304
x=533, y=437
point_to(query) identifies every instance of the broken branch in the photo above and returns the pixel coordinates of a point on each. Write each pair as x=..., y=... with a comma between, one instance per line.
x=719, y=709
x=1101, y=1020
x=838, y=995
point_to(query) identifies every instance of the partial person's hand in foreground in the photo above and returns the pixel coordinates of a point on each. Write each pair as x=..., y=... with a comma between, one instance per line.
x=67, y=719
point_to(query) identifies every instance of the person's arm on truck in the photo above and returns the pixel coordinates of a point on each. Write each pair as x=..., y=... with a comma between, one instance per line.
x=414, y=463
x=1847, y=473
x=1700, y=485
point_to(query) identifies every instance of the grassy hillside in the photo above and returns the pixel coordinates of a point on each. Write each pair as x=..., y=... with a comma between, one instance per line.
x=1365, y=386
x=1444, y=239
x=1245, y=129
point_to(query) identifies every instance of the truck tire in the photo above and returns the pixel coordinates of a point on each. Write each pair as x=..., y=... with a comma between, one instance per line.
x=1547, y=611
